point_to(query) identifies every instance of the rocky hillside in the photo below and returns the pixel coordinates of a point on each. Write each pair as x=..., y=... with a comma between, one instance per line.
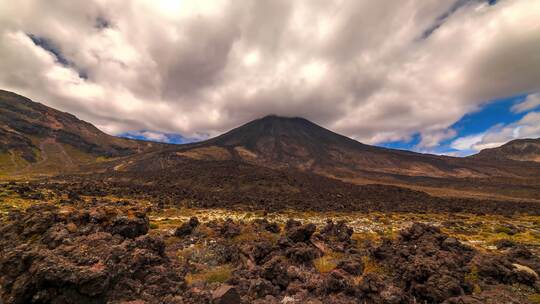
x=35, y=138
x=519, y=149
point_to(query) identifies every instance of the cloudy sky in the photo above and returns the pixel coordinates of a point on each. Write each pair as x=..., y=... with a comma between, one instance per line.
x=440, y=76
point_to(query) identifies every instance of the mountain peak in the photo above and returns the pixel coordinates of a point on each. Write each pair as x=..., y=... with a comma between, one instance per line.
x=273, y=119
x=280, y=130
x=281, y=117
x=279, y=141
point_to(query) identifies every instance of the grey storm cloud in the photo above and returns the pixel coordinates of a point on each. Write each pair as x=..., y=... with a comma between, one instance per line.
x=373, y=70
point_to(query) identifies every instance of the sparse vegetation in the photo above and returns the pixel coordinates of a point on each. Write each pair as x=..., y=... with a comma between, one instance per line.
x=534, y=298
x=473, y=278
x=504, y=229
x=218, y=274
x=371, y=266
x=10, y=163
x=328, y=261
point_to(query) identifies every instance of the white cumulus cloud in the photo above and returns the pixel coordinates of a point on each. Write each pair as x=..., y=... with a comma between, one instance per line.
x=531, y=102
x=373, y=70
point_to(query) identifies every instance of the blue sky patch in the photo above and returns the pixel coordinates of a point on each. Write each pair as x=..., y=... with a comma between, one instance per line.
x=403, y=145
x=156, y=136
x=49, y=46
x=471, y=126
x=490, y=114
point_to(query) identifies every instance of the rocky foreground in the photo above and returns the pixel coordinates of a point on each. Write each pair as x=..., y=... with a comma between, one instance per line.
x=105, y=252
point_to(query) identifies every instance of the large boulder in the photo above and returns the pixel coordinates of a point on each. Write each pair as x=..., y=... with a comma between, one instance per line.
x=338, y=231
x=229, y=229
x=265, y=225
x=275, y=271
x=187, y=227
x=300, y=233
x=226, y=294
x=351, y=266
x=337, y=281
x=499, y=269
x=302, y=253
x=260, y=288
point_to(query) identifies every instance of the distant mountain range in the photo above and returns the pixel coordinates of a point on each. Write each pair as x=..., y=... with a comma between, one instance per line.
x=38, y=140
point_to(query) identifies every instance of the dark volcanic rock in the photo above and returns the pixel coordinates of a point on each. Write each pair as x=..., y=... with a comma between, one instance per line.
x=187, y=228
x=504, y=243
x=264, y=224
x=523, y=256
x=340, y=231
x=229, y=229
x=428, y=264
x=299, y=233
x=275, y=271
x=337, y=281
x=260, y=250
x=260, y=288
x=351, y=266
x=226, y=294
x=100, y=252
x=500, y=269
x=302, y=253
x=79, y=258
x=495, y=296
x=130, y=227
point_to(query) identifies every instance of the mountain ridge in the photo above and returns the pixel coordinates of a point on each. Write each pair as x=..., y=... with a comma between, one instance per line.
x=39, y=139
x=527, y=149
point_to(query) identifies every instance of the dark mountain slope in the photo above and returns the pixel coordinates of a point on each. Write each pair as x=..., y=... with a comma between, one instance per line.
x=280, y=142
x=233, y=184
x=298, y=144
x=519, y=149
x=35, y=138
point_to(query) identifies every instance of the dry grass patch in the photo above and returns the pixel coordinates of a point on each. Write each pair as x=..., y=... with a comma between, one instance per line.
x=245, y=153
x=11, y=201
x=207, y=153
x=371, y=266
x=534, y=298
x=188, y=253
x=219, y=274
x=249, y=235
x=328, y=262
x=472, y=277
